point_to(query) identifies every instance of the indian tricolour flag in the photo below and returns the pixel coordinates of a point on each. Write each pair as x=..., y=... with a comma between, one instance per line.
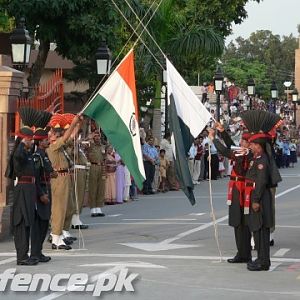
x=114, y=108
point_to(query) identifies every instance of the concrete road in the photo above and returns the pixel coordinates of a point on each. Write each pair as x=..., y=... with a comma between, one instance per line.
x=172, y=247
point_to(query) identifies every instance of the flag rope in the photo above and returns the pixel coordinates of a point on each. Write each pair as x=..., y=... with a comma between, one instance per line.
x=216, y=233
x=145, y=27
x=138, y=35
x=141, y=23
x=134, y=32
x=80, y=234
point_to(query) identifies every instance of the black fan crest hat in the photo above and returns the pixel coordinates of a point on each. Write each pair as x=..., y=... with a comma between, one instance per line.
x=259, y=124
x=29, y=116
x=41, y=131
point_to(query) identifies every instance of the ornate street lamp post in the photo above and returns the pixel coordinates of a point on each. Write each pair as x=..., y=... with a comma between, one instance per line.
x=20, y=46
x=218, y=83
x=295, y=101
x=287, y=85
x=103, y=59
x=165, y=80
x=251, y=90
x=274, y=91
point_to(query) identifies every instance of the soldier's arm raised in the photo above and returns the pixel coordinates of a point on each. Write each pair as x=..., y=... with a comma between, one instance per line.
x=69, y=131
x=219, y=146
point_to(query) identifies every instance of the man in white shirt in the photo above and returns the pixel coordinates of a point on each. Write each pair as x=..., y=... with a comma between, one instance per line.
x=171, y=176
x=191, y=158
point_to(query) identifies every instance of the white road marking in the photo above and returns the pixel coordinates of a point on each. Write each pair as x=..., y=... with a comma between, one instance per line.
x=159, y=219
x=149, y=223
x=274, y=265
x=8, y=260
x=158, y=246
x=202, y=227
x=175, y=223
x=287, y=226
x=287, y=191
x=197, y=214
x=166, y=244
x=74, y=253
x=113, y=216
x=281, y=252
x=130, y=264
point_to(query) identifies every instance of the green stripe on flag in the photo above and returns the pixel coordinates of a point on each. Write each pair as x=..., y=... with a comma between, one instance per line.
x=117, y=132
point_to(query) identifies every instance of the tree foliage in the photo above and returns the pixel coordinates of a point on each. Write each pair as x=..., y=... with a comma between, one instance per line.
x=190, y=32
x=77, y=27
x=264, y=56
x=6, y=23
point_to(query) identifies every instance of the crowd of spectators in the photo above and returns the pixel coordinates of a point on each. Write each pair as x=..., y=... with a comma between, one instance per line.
x=158, y=157
x=286, y=144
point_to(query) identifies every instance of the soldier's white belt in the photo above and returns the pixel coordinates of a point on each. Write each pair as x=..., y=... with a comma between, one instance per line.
x=81, y=167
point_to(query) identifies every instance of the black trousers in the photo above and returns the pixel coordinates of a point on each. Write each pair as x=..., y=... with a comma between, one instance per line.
x=38, y=234
x=214, y=166
x=149, y=172
x=243, y=241
x=21, y=239
x=262, y=244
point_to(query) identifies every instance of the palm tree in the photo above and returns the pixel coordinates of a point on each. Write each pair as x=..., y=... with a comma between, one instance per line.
x=183, y=43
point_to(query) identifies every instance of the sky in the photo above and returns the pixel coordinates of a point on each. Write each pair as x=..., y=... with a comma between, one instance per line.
x=279, y=16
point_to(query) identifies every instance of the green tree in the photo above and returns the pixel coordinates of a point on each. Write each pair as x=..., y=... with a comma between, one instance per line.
x=276, y=53
x=241, y=70
x=6, y=23
x=76, y=26
x=181, y=42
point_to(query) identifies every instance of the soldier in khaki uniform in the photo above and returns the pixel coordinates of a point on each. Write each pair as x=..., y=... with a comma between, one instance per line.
x=81, y=168
x=96, y=176
x=62, y=185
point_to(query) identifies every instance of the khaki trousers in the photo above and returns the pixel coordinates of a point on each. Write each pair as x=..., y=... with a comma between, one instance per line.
x=96, y=187
x=80, y=184
x=71, y=207
x=60, y=192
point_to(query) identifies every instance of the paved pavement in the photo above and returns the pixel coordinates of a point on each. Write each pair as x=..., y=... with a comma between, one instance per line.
x=172, y=246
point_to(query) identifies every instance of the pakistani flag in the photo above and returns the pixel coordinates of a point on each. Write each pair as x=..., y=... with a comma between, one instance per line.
x=114, y=108
x=188, y=117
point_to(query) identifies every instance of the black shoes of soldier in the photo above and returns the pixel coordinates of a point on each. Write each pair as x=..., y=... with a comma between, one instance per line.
x=255, y=266
x=97, y=215
x=238, y=260
x=28, y=262
x=82, y=226
x=61, y=247
x=44, y=259
x=69, y=240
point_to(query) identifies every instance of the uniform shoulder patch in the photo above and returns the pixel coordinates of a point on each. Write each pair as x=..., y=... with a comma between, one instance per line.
x=260, y=166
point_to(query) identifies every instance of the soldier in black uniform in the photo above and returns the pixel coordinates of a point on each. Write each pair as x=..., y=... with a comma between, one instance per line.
x=44, y=172
x=261, y=175
x=24, y=204
x=235, y=198
x=260, y=217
